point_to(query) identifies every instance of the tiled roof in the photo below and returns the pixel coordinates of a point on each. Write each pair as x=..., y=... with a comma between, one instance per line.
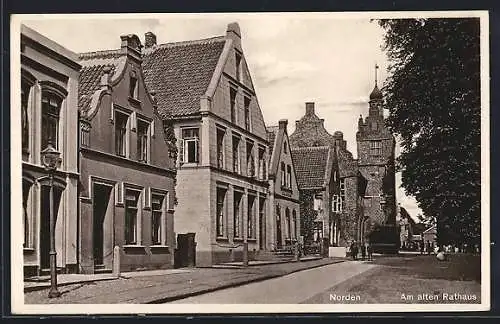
x=310, y=165
x=271, y=137
x=93, y=64
x=180, y=73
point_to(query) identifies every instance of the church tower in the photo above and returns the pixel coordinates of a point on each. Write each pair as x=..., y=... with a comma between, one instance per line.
x=375, y=146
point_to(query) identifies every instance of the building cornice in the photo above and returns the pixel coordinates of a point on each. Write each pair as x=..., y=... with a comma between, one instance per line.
x=131, y=162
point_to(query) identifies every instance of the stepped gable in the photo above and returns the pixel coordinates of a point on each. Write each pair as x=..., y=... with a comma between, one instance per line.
x=180, y=73
x=311, y=164
x=94, y=65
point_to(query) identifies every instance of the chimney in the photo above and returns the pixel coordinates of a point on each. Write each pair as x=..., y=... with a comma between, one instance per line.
x=149, y=39
x=233, y=32
x=131, y=46
x=283, y=123
x=309, y=108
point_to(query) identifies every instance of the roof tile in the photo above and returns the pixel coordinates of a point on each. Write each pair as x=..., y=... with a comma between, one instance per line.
x=180, y=73
x=310, y=165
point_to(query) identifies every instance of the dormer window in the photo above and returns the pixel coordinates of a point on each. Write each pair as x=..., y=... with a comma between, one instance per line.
x=238, y=66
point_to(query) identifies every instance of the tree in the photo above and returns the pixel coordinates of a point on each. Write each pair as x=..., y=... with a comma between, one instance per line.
x=433, y=97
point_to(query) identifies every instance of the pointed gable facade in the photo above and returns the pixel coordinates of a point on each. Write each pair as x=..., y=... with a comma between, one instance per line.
x=345, y=201
x=127, y=168
x=205, y=93
x=284, y=221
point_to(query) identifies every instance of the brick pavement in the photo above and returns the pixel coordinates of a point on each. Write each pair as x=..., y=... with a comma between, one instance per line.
x=162, y=288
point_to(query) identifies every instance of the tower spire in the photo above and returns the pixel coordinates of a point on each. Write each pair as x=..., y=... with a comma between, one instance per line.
x=376, y=68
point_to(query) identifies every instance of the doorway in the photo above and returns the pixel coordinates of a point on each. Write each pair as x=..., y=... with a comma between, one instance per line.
x=45, y=223
x=185, y=254
x=100, y=232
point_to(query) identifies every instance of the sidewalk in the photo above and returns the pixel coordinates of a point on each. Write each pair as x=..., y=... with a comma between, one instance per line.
x=162, y=286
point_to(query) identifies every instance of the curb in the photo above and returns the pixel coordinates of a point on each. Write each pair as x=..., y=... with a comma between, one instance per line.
x=232, y=285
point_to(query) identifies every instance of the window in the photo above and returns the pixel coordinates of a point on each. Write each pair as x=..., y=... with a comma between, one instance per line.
x=294, y=217
x=237, y=214
x=236, y=154
x=367, y=201
x=238, y=65
x=50, y=120
x=283, y=175
x=262, y=164
x=190, y=147
x=336, y=204
x=285, y=148
x=26, y=219
x=374, y=125
x=232, y=102
x=142, y=140
x=25, y=92
x=157, y=227
x=250, y=160
x=221, y=211
x=247, y=113
x=287, y=219
x=133, y=87
x=121, y=121
x=251, y=217
x=84, y=134
x=342, y=194
x=220, y=148
x=131, y=215
x=289, y=176
x=376, y=148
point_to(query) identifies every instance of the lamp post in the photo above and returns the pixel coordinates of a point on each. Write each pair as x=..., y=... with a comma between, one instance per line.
x=51, y=160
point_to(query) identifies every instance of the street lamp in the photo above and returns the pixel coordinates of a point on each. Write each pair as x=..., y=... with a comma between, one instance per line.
x=51, y=160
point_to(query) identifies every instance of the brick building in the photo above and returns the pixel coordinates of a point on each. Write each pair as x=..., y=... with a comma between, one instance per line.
x=345, y=199
x=317, y=177
x=127, y=165
x=49, y=94
x=284, y=212
x=376, y=146
x=204, y=90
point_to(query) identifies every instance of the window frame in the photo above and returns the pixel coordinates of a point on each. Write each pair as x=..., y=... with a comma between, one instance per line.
x=250, y=155
x=246, y=104
x=233, y=93
x=137, y=229
x=236, y=143
x=220, y=144
x=238, y=58
x=376, y=148
x=185, y=142
x=118, y=114
x=144, y=136
x=48, y=117
x=237, y=213
x=251, y=233
x=163, y=235
x=221, y=212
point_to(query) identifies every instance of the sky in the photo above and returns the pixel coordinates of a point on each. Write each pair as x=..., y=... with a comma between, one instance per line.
x=293, y=58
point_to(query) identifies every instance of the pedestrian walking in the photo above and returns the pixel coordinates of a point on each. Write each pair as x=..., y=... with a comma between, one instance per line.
x=369, y=250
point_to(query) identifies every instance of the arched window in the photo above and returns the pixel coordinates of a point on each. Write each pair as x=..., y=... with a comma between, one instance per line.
x=27, y=82
x=283, y=174
x=52, y=97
